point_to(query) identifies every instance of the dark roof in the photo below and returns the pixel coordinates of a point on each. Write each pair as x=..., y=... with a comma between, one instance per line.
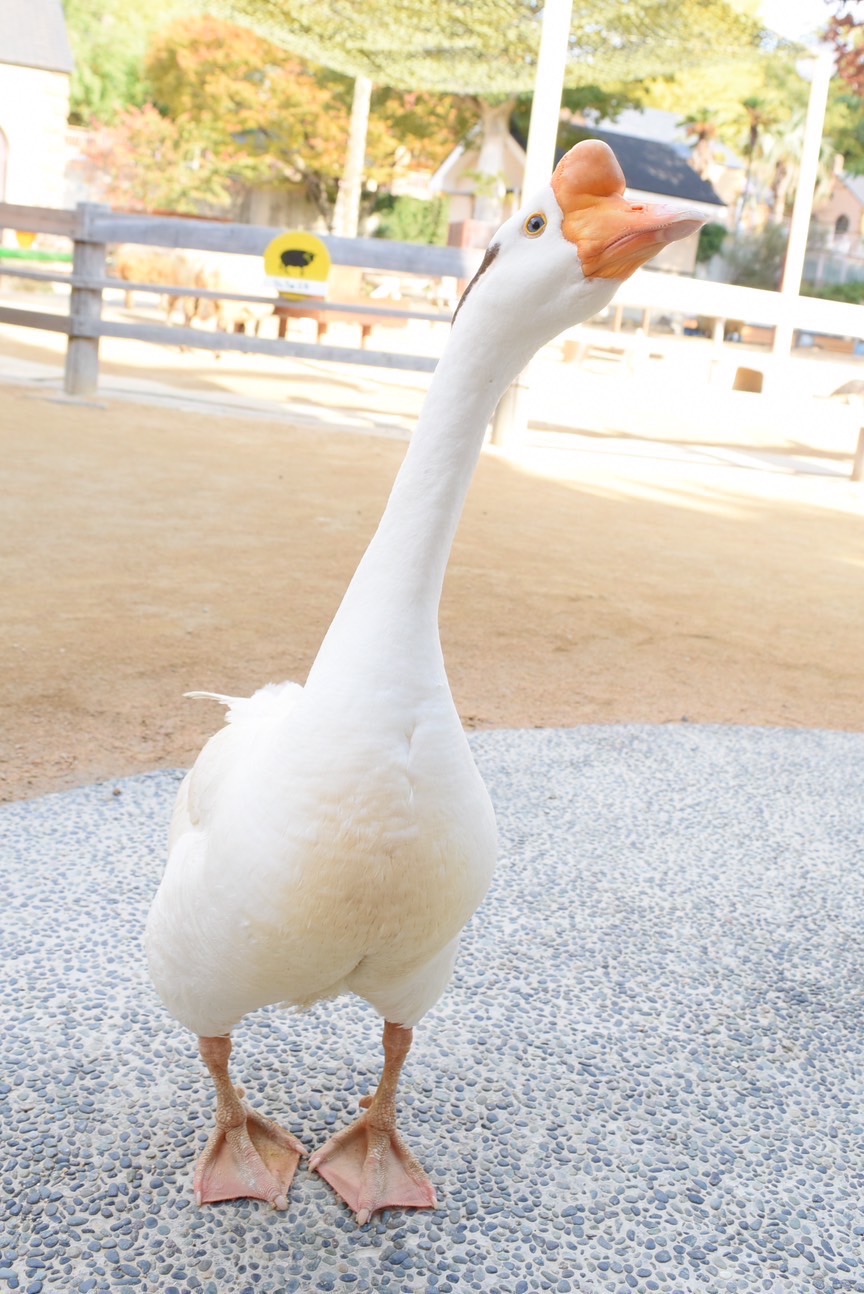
x=650, y=167
x=33, y=34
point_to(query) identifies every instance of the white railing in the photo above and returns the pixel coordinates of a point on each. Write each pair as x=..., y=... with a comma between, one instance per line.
x=93, y=228
x=652, y=290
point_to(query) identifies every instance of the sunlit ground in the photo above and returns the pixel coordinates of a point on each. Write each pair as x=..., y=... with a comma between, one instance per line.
x=657, y=546
x=659, y=421
x=669, y=434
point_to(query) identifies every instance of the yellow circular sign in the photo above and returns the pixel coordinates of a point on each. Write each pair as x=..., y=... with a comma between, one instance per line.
x=297, y=265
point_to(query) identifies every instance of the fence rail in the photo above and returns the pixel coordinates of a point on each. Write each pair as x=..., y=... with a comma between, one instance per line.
x=675, y=293
x=217, y=294
x=93, y=228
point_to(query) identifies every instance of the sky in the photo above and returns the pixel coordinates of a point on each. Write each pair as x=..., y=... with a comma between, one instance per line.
x=795, y=19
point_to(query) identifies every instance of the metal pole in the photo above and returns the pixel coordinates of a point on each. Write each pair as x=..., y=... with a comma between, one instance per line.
x=346, y=217
x=510, y=421
x=858, y=461
x=823, y=69
x=548, y=86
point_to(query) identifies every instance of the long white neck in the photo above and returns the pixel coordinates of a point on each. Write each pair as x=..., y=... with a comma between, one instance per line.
x=396, y=589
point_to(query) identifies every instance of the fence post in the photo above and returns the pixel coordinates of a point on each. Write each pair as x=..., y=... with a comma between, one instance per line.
x=858, y=461
x=81, y=376
x=510, y=419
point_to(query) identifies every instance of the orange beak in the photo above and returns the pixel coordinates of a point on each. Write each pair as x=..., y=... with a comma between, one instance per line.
x=613, y=235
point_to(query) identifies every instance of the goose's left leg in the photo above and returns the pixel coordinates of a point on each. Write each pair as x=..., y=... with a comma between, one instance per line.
x=369, y=1164
x=248, y=1156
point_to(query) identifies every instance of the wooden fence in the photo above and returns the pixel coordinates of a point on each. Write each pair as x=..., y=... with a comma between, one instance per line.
x=93, y=228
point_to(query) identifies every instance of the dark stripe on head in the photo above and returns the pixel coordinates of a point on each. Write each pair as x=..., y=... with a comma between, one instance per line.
x=491, y=252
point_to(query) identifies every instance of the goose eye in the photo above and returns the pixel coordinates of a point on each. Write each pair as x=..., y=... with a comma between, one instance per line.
x=535, y=224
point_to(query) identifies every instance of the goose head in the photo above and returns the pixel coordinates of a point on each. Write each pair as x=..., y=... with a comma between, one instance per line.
x=562, y=256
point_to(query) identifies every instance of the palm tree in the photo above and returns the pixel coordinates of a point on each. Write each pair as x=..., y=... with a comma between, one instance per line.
x=781, y=161
x=759, y=116
x=701, y=127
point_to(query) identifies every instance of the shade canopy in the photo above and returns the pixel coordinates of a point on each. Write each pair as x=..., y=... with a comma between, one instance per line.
x=489, y=47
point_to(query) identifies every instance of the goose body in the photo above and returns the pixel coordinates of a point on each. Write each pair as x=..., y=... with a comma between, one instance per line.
x=337, y=837
x=301, y=894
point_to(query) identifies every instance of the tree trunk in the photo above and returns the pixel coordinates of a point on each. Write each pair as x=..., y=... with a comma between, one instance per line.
x=492, y=185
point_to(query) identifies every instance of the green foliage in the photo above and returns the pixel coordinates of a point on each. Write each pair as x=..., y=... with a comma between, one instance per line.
x=846, y=34
x=608, y=101
x=267, y=116
x=429, y=126
x=852, y=292
x=845, y=127
x=605, y=102
x=756, y=260
x=147, y=162
x=412, y=220
x=757, y=107
x=109, y=40
x=711, y=240
x=413, y=45
x=759, y=87
x=227, y=107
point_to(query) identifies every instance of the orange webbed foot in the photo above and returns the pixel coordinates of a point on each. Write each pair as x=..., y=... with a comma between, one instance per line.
x=253, y=1159
x=371, y=1168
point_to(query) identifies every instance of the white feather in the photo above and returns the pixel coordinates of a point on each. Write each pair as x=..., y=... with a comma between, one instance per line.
x=272, y=701
x=338, y=837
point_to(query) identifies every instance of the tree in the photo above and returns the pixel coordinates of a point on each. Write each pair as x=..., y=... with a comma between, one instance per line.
x=412, y=220
x=425, y=126
x=269, y=117
x=765, y=85
x=782, y=146
x=711, y=239
x=845, y=128
x=846, y=112
x=846, y=33
x=490, y=47
x=701, y=127
x=755, y=260
x=109, y=39
x=228, y=106
x=147, y=162
x=759, y=115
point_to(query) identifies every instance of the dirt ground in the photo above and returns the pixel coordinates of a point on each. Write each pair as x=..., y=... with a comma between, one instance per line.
x=148, y=552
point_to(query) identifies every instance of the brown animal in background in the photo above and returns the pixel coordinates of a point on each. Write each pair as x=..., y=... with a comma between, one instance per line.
x=210, y=272
x=138, y=264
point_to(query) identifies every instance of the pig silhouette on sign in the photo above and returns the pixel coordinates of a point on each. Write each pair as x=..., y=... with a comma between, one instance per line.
x=295, y=259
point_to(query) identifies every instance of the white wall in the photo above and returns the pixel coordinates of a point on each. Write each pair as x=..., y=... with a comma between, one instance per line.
x=34, y=105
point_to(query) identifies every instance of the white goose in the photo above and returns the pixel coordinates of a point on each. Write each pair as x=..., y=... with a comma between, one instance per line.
x=337, y=837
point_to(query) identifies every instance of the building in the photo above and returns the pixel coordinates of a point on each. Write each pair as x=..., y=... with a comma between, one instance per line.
x=840, y=217
x=656, y=170
x=718, y=164
x=35, y=70
x=835, y=250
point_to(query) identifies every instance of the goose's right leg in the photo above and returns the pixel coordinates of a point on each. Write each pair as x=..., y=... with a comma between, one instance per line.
x=248, y=1156
x=369, y=1164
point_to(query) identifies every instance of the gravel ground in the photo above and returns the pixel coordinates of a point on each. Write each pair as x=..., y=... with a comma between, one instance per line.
x=646, y=1076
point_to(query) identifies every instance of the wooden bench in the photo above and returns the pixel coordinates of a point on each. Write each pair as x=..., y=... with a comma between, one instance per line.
x=345, y=289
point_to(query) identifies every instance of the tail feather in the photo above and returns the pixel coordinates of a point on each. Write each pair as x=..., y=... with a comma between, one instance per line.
x=214, y=696
x=272, y=701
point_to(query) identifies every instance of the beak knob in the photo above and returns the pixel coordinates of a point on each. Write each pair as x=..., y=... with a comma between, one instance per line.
x=590, y=167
